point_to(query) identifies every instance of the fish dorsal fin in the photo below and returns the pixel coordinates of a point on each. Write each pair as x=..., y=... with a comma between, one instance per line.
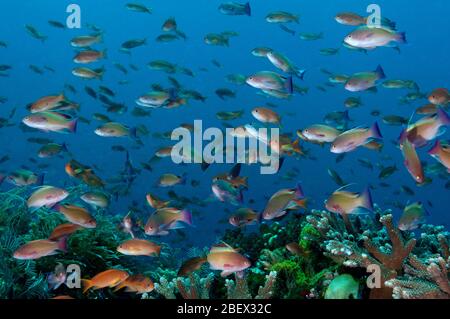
x=344, y=187
x=410, y=119
x=222, y=247
x=235, y=171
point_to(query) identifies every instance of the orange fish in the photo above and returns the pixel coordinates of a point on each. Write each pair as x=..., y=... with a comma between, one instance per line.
x=428, y=128
x=139, y=247
x=77, y=215
x=63, y=230
x=441, y=152
x=137, y=283
x=156, y=203
x=109, y=278
x=412, y=160
x=191, y=265
x=47, y=103
x=40, y=248
x=439, y=96
x=225, y=258
x=89, y=56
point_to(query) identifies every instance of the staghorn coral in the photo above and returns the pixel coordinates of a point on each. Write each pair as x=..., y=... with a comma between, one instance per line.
x=365, y=246
x=194, y=287
x=239, y=289
x=425, y=279
x=165, y=288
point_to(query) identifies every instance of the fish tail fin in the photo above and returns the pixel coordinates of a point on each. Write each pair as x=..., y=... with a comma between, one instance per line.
x=40, y=179
x=240, y=197
x=301, y=202
x=401, y=37
x=248, y=9
x=186, y=217
x=289, y=85
x=299, y=192
x=158, y=251
x=380, y=72
x=64, y=147
x=443, y=117
x=403, y=136
x=375, y=131
x=300, y=74
x=366, y=198
x=391, y=24
x=236, y=170
x=297, y=18
x=260, y=218
x=245, y=182
x=105, y=53
x=133, y=133
x=2, y=178
x=205, y=166
x=280, y=164
x=87, y=284
x=435, y=149
x=347, y=115
x=183, y=179
x=73, y=126
x=62, y=244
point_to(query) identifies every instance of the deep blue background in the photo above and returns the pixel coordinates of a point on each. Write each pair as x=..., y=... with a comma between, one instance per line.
x=424, y=59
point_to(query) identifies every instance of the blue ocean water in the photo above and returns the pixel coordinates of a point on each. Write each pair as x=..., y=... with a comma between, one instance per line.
x=423, y=59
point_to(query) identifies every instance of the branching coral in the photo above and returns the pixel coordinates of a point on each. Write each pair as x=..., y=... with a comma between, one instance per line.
x=194, y=287
x=388, y=250
x=165, y=288
x=238, y=289
x=425, y=280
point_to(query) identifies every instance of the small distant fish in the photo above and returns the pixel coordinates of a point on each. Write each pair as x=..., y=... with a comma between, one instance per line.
x=335, y=177
x=114, y=129
x=86, y=41
x=413, y=217
x=87, y=73
x=344, y=202
x=168, y=180
x=40, y=248
x=77, y=215
x=139, y=247
x=131, y=44
x=235, y=9
x=387, y=171
x=138, y=8
x=352, y=139
x=243, y=217
x=329, y=51
x=287, y=30
x=35, y=33
x=282, y=17
x=311, y=36
x=364, y=80
x=191, y=265
x=56, y=24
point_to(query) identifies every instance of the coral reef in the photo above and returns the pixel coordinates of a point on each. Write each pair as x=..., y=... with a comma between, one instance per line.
x=301, y=256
